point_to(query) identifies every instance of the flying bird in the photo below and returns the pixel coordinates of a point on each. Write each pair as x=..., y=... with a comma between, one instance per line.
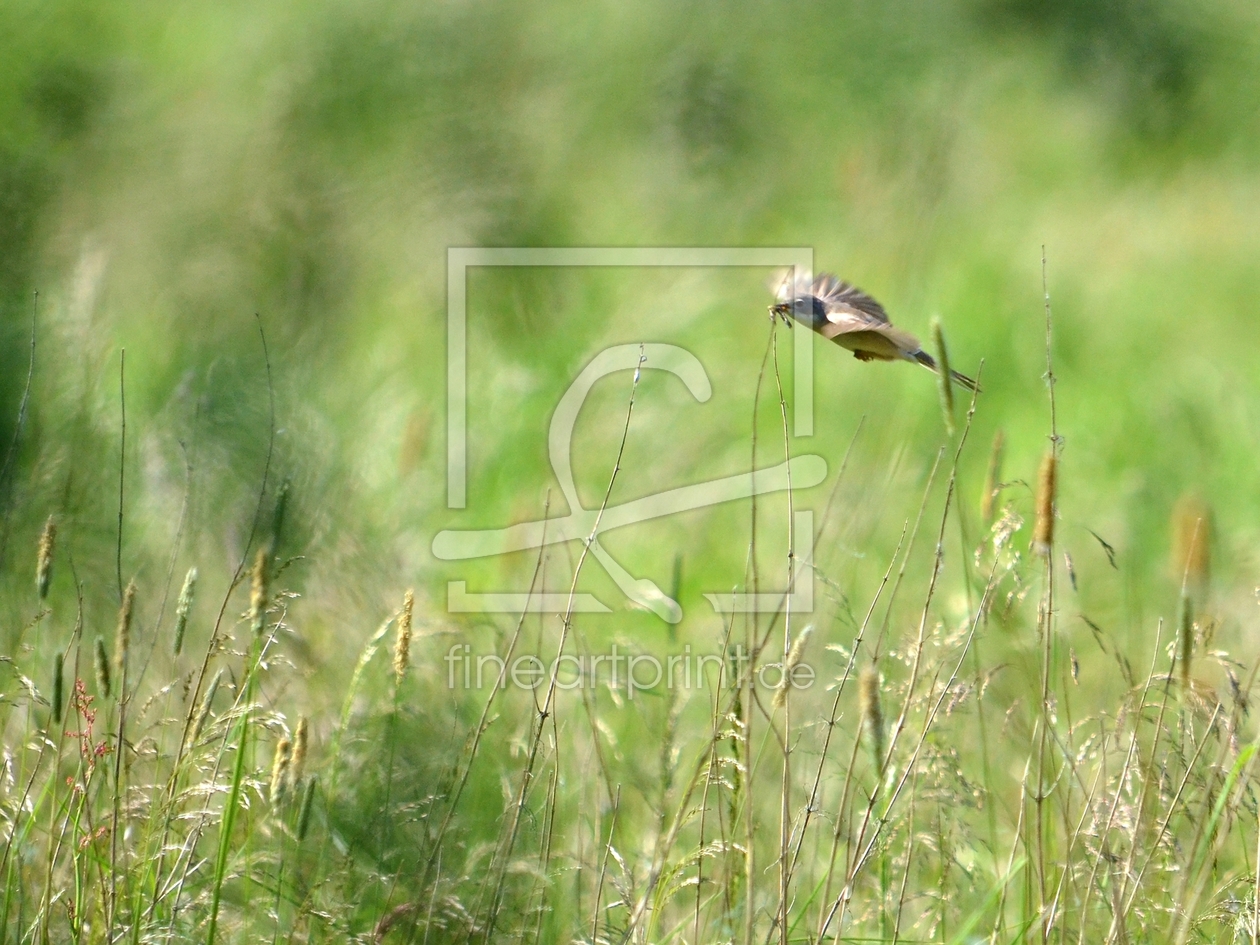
x=845, y=314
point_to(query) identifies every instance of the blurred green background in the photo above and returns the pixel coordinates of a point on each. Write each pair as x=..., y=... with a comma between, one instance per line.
x=175, y=176
x=168, y=171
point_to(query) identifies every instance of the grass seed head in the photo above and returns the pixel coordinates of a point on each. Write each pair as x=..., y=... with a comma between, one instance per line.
x=43, y=565
x=993, y=479
x=280, y=769
x=258, y=592
x=58, y=693
x=277, y=515
x=299, y=752
x=102, y=668
x=1185, y=626
x=182, y=609
x=122, y=635
x=1047, y=484
x=402, y=642
x=207, y=703
x=790, y=663
x=304, y=815
x=1191, y=545
x=872, y=714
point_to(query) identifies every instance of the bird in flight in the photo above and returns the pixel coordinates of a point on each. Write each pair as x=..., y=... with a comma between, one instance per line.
x=845, y=314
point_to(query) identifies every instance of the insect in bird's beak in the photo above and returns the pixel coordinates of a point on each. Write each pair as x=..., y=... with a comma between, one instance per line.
x=783, y=310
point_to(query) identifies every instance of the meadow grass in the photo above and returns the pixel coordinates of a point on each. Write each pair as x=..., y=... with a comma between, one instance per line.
x=957, y=777
x=1032, y=625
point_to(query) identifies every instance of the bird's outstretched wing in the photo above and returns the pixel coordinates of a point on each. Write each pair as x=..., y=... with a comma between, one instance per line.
x=857, y=322
x=845, y=299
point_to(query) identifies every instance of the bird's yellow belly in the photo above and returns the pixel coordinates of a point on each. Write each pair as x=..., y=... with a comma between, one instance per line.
x=868, y=344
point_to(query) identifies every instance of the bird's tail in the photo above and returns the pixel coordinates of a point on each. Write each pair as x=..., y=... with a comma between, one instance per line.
x=962, y=380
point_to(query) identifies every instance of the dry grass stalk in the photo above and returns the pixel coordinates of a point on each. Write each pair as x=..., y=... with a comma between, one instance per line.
x=1047, y=484
x=993, y=479
x=43, y=566
x=402, y=641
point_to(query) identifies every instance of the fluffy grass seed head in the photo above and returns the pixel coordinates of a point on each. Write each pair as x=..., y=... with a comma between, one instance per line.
x=402, y=641
x=102, y=668
x=993, y=479
x=1047, y=483
x=790, y=663
x=58, y=693
x=44, y=562
x=280, y=765
x=182, y=609
x=298, y=761
x=122, y=635
x=258, y=592
x=872, y=714
x=207, y=703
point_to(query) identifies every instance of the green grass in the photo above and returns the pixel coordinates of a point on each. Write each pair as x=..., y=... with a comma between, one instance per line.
x=992, y=781
x=1069, y=754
